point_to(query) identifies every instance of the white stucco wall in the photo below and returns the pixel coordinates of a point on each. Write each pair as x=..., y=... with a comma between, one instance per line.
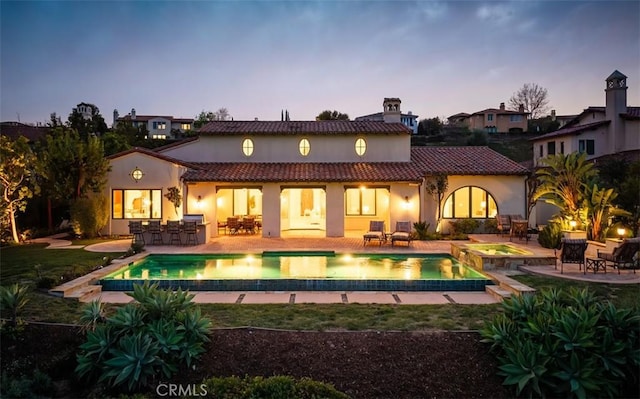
x=282, y=148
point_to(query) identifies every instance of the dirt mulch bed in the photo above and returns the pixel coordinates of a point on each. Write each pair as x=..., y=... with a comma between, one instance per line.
x=361, y=364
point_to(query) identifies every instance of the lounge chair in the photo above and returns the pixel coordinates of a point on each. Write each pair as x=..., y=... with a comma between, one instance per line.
x=402, y=233
x=625, y=256
x=376, y=232
x=572, y=251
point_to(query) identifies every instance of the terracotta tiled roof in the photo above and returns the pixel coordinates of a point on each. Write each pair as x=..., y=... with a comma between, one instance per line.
x=146, y=118
x=379, y=116
x=499, y=112
x=13, y=130
x=154, y=154
x=305, y=172
x=302, y=127
x=632, y=113
x=464, y=161
x=572, y=130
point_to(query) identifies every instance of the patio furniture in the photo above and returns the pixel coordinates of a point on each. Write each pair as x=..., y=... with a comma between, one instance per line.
x=135, y=229
x=173, y=228
x=595, y=264
x=249, y=225
x=156, y=232
x=234, y=225
x=519, y=229
x=572, y=251
x=625, y=256
x=503, y=224
x=376, y=232
x=191, y=230
x=402, y=233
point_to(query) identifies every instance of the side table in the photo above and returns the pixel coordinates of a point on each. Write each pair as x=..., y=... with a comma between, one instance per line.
x=595, y=264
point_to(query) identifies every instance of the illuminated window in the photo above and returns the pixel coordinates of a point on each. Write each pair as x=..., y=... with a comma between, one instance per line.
x=360, y=201
x=470, y=202
x=247, y=201
x=361, y=147
x=159, y=125
x=247, y=147
x=136, y=204
x=304, y=147
x=185, y=126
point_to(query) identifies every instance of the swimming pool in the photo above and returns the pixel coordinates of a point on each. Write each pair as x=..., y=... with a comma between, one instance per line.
x=303, y=271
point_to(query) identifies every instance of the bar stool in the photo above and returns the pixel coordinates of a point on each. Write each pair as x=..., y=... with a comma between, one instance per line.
x=156, y=232
x=135, y=229
x=173, y=228
x=192, y=232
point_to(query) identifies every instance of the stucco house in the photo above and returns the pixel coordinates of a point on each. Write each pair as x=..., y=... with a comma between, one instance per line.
x=393, y=105
x=326, y=178
x=493, y=120
x=597, y=131
x=159, y=127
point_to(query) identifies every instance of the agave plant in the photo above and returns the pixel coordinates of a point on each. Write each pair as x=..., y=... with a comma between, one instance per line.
x=92, y=314
x=13, y=299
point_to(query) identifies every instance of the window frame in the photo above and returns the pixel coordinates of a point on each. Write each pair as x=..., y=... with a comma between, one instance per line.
x=360, y=212
x=586, y=144
x=123, y=213
x=360, y=146
x=247, y=147
x=551, y=145
x=304, y=147
x=486, y=194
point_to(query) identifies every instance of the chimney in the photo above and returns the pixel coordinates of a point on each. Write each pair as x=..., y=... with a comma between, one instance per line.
x=133, y=113
x=521, y=108
x=391, y=110
x=553, y=114
x=115, y=117
x=501, y=106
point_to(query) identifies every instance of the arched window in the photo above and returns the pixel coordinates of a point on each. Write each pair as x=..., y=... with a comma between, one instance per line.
x=304, y=147
x=247, y=147
x=469, y=202
x=361, y=146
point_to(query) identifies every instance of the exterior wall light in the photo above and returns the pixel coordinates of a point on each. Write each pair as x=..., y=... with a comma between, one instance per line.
x=621, y=232
x=199, y=202
x=136, y=174
x=573, y=225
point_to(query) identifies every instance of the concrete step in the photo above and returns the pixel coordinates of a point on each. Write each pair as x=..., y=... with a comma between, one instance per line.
x=497, y=292
x=83, y=293
x=517, y=288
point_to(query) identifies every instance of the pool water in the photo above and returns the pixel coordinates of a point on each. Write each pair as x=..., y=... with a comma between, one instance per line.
x=498, y=249
x=309, y=271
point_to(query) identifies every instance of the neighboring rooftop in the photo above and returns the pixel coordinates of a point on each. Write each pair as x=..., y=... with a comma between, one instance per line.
x=13, y=130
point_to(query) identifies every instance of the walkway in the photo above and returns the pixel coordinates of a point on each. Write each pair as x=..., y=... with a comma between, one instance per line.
x=349, y=244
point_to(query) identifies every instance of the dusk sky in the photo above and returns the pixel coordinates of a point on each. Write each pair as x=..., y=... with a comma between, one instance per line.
x=258, y=58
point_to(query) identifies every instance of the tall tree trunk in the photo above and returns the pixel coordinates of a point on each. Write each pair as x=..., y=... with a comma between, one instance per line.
x=12, y=219
x=49, y=215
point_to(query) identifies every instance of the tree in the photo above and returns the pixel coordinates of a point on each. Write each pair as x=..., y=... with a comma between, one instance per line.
x=564, y=181
x=174, y=196
x=17, y=179
x=599, y=208
x=332, y=116
x=430, y=127
x=533, y=98
x=93, y=125
x=436, y=186
x=204, y=117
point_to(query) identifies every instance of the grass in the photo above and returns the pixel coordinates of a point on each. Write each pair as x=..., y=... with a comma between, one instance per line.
x=17, y=265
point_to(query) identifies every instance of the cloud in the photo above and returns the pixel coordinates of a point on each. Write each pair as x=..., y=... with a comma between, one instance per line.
x=496, y=13
x=433, y=9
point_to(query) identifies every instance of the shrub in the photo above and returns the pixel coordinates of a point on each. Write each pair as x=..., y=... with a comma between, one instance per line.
x=13, y=299
x=464, y=226
x=490, y=226
x=89, y=216
x=144, y=340
x=566, y=344
x=550, y=236
x=276, y=387
x=421, y=230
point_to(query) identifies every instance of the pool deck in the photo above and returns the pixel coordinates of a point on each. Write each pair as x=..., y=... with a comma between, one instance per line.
x=350, y=244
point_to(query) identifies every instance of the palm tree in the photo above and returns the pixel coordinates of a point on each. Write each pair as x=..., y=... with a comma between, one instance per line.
x=564, y=181
x=599, y=208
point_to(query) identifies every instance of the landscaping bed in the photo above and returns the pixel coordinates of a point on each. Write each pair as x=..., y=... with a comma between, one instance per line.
x=365, y=364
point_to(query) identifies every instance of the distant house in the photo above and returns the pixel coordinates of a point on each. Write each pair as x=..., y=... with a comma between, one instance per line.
x=13, y=130
x=391, y=108
x=493, y=120
x=597, y=131
x=159, y=127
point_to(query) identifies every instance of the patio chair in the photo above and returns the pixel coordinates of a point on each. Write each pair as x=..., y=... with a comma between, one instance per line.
x=376, y=232
x=191, y=230
x=503, y=224
x=625, y=256
x=234, y=225
x=173, y=228
x=520, y=229
x=156, y=232
x=249, y=225
x=402, y=233
x=136, y=231
x=572, y=251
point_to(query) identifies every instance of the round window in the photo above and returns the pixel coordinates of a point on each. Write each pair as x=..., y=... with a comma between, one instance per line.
x=304, y=147
x=247, y=147
x=361, y=147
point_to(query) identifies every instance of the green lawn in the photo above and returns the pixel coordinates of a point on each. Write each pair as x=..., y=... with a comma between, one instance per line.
x=17, y=264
